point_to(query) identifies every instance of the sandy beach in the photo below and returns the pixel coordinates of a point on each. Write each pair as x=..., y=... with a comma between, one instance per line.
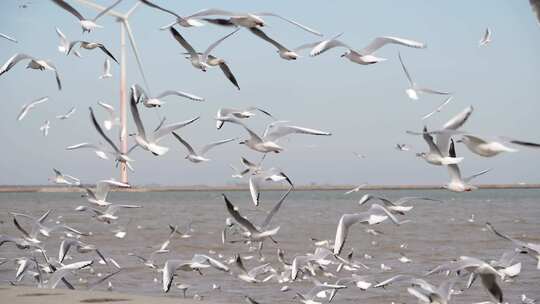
x=23, y=295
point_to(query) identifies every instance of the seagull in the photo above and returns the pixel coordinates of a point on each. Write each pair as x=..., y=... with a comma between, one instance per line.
x=35, y=64
x=268, y=143
x=183, y=21
x=86, y=24
x=305, y=262
x=457, y=183
x=64, y=44
x=45, y=127
x=486, y=272
x=39, y=228
x=414, y=90
x=81, y=247
x=106, y=69
x=30, y=106
x=482, y=147
x=376, y=214
x=151, y=143
x=364, y=56
x=283, y=52
x=253, y=234
x=396, y=206
x=67, y=115
x=232, y=115
x=99, y=196
x=119, y=155
x=61, y=272
x=486, y=39
x=247, y=20
x=531, y=248
x=197, y=157
x=113, y=119
x=251, y=275
x=435, y=155
x=109, y=214
x=249, y=167
x=260, y=176
x=151, y=102
x=535, y=5
x=8, y=38
x=60, y=178
x=90, y=46
x=199, y=61
x=438, y=109
x=316, y=290
x=403, y=147
x=100, y=152
x=356, y=189
x=195, y=264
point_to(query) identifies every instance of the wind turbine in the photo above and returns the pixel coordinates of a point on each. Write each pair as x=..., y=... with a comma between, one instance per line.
x=124, y=27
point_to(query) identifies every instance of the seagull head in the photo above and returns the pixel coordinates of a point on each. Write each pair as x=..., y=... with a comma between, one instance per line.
x=243, y=142
x=257, y=20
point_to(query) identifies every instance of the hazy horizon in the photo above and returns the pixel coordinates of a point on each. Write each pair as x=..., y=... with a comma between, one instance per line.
x=365, y=107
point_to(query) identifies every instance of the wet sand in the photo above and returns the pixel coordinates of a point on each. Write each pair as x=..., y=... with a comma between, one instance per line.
x=30, y=295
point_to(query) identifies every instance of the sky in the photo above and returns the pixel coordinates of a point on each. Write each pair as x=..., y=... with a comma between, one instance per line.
x=365, y=107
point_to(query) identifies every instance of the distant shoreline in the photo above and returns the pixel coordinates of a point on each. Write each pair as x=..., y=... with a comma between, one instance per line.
x=60, y=189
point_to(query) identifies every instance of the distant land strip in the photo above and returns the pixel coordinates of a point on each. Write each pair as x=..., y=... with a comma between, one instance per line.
x=153, y=188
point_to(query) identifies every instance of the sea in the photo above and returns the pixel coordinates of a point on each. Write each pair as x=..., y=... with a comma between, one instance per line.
x=437, y=232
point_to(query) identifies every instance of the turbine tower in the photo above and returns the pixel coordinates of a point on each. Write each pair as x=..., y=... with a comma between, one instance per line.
x=123, y=19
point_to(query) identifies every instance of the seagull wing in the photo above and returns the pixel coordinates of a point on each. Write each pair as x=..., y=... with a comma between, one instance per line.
x=185, y=143
x=161, y=8
x=379, y=42
x=438, y=109
x=8, y=37
x=100, y=131
x=181, y=94
x=328, y=44
x=342, y=231
x=13, y=61
x=136, y=115
x=106, y=51
x=183, y=42
x=66, y=6
x=227, y=71
x=282, y=130
x=411, y=82
x=210, y=12
x=305, y=28
x=209, y=146
x=215, y=44
x=265, y=37
x=167, y=129
x=242, y=221
x=469, y=178
x=103, y=12
x=275, y=209
x=535, y=5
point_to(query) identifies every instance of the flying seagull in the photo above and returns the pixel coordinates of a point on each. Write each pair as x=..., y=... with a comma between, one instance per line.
x=457, y=183
x=364, y=56
x=30, y=106
x=151, y=102
x=486, y=39
x=35, y=64
x=197, y=157
x=67, y=115
x=8, y=37
x=86, y=24
x=91, y=46
x=106, y=69
x=414, y=89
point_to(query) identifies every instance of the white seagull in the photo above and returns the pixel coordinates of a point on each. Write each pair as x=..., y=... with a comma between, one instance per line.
x=364, y=56
x=35, y=64
x=435, y=156
x=414, y=90
x=45, y=127
x=283, y=52
x=106, y=69
x=30, y=106
x=375, y=215
x=274, y=131
x=199, y=61
x=150, y=143
x=103, y=187
x=486, y=38
x=533, y=249
x=232, y=115
x=483, y=147
x=248, y=20
x=67, y=115
x=64, y=44
x=90, y=46
x=60, y=178
x=86, y=24
x=457, y=183
x=113, y=119
x=150, y=101
x=197, y=157
x=260, y=176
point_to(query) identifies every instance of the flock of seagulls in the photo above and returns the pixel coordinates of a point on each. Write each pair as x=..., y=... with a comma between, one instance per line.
x=327, y=261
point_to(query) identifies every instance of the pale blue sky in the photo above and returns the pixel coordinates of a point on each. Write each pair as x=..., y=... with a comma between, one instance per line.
x=365, y=107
